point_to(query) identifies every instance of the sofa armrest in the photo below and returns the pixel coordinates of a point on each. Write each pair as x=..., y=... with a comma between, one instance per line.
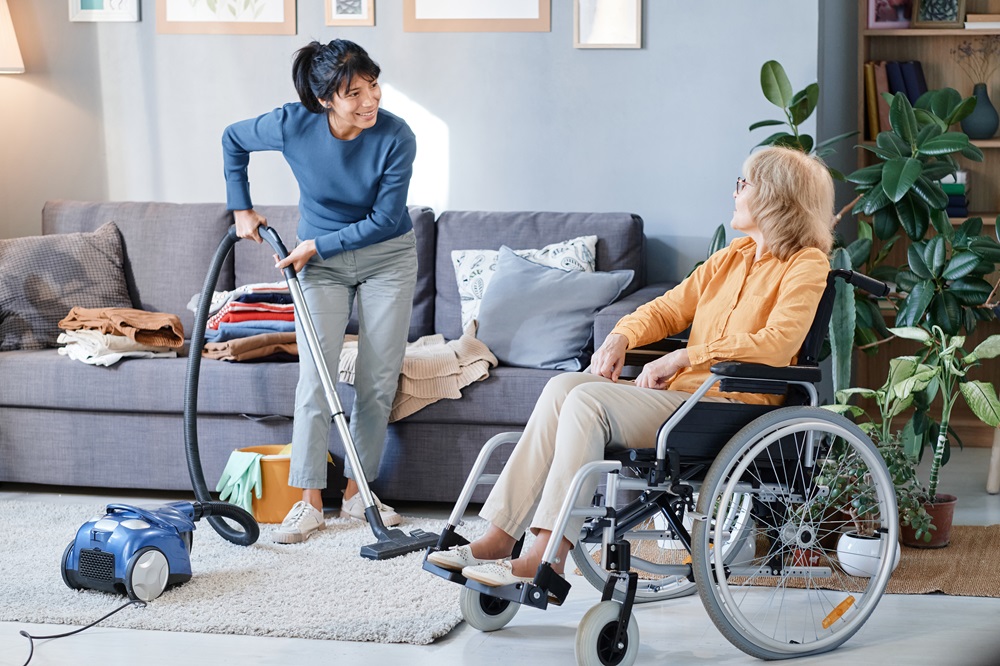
x=606, y=318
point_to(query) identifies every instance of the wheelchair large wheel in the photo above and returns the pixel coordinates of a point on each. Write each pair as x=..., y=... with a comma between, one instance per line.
x=657, y=555
x=812, y=475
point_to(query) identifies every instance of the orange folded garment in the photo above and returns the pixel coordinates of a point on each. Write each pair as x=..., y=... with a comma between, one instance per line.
x=157, y=329
x=252, y=347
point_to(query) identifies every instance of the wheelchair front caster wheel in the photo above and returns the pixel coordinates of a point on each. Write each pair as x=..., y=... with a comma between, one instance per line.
x=484, y=612
x=147, y=574
x=595, y=637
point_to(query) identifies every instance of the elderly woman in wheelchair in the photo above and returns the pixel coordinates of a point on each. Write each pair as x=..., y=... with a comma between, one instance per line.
x=754, y=303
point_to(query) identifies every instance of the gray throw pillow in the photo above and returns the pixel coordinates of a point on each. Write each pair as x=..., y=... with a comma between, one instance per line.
x=539, y=317
x=43, y=277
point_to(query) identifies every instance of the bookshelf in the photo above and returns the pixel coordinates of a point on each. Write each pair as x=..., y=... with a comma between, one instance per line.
x=932, y=47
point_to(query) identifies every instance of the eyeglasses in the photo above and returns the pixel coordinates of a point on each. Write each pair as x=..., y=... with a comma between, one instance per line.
x=741, y=183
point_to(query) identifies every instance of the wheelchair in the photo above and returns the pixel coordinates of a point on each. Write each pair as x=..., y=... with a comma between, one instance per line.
x=743, y=504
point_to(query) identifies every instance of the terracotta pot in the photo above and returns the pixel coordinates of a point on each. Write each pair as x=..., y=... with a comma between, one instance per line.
x=942, y=512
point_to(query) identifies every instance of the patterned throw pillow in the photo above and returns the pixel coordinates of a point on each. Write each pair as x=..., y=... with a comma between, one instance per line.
x=43, y=277
x=475, y=268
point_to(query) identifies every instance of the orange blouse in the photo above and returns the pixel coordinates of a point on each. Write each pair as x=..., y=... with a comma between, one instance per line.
x=738, y=309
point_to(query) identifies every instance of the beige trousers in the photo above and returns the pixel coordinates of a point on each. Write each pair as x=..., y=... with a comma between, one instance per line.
x=576, y=417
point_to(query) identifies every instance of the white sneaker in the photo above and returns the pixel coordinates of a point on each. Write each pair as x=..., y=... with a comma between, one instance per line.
x=299, y=524
x=455, y=558
x=355, y=508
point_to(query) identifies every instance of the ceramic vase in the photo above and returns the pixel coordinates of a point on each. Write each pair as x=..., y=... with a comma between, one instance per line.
x=858, y=555
x=982, y=123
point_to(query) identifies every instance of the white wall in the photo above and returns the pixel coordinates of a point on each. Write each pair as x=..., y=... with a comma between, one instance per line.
x=510, y=121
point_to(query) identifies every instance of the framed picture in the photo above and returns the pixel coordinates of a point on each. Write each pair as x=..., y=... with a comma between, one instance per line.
x=607, y=24
x=225, y=17
x=888, y=14
x=103, y=10
x=350, y=12
x=476, y=15
x=938, y=14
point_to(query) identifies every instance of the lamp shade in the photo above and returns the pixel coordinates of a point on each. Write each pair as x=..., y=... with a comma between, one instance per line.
x=10, y=54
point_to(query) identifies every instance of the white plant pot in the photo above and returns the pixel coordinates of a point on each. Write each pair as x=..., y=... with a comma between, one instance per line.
x=858, y=555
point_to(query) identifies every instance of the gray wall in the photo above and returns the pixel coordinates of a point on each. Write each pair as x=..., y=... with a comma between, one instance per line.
x=504, y=121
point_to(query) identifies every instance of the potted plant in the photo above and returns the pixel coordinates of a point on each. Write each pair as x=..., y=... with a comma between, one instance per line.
x=907, y=377
x=946, y=356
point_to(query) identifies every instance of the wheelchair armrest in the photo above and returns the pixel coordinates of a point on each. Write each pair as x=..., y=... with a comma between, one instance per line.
x=791, y=373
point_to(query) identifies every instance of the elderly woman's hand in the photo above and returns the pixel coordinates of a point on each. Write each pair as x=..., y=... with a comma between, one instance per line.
x=655, y=375
x=609, y=359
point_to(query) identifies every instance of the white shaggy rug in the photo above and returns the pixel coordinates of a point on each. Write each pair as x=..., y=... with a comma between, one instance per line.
x=320, y=589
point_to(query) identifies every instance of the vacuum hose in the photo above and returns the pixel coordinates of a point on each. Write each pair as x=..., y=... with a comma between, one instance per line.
x=250, y=530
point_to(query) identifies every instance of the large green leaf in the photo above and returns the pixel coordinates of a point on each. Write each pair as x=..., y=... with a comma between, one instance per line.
x=804, y=103
x=942, y=223
x=912, y=213
x=928, y=131
x=864, y=230
x=832, y=140
x=775, y=84
x=931, y=193
x=878, y=151
x=906, y=280
x=805, y=143
x=962, y=111
x=718, y=240
x=776, y=139
x=988, y=348
x=982, y=399
x=909, y=333
x=936, y=255
x=914, y=306
x=960, y=265
x=945, y=311
x=986, y=248
x=972, y=226
x=859, y=252
x=868, y=175
x=766, y=123
x=886, y=222
x=915, y=258
x=971, y=291
x=901, y=117
x=973, y=153
x=842, y=323
x=949, y=142
x=892, y=144
x=874, y=201
x=926, y=118
x=938, y=170
x=899, y=175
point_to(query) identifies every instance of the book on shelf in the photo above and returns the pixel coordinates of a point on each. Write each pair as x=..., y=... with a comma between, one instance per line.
x=960, y=176
x=983, y=25
x=882, y=86
x=913, y=79
x=871, y=106
x=982, y=18
x=954, y=189
x=895, y=75
x=958, y=211
x=956, y=200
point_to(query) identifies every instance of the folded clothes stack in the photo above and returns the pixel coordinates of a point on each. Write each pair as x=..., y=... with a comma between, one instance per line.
x=104, y=336
x=254, y=322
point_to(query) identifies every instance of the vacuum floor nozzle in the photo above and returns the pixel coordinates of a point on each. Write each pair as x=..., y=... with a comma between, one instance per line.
x=393, y=543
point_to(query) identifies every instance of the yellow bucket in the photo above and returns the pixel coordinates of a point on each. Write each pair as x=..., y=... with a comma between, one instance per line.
x=276, y=496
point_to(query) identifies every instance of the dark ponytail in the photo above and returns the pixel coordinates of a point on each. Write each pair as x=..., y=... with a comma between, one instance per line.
x=322, y=70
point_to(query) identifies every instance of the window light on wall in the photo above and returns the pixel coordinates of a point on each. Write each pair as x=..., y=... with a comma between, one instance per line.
x=10, y=54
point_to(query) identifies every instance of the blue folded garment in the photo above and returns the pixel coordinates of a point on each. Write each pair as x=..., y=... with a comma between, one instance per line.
x=244, y=329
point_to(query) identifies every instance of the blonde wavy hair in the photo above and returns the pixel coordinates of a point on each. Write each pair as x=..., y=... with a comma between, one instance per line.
x=791, y=200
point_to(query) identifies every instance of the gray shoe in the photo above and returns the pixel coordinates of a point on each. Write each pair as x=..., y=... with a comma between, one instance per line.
x=299, y=524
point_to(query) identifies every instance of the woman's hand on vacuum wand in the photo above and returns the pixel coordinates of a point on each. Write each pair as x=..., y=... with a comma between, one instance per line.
x=298, y=257
x=247, y=222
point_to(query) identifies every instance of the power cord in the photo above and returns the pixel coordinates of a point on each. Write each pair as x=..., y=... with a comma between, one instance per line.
x=32, y=639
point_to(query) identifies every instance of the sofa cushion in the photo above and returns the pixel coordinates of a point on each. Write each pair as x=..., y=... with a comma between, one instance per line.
x=620, y=246
x=168, y=247
x=253, y=263
x=538, y=317
x=43, y=277
x=475, y=268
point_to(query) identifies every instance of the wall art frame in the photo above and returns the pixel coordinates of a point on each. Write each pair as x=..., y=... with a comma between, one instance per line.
x=889, y=14
x=938, y=14
x=607, y=24
x=203, y=17
x=103, y=10
x=350, y=12
x=482, y=16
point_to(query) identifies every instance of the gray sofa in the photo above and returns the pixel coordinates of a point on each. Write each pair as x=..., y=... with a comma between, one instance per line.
x=66, y=423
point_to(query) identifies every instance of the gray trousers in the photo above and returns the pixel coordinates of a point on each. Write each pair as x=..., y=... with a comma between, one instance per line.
x=382, y=277
x=576, y=417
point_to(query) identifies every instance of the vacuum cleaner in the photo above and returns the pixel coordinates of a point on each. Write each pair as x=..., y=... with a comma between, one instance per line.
x=389, y=542
x=140, y=552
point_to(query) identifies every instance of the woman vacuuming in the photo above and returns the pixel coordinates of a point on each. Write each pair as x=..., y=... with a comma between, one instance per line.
x=353, y=163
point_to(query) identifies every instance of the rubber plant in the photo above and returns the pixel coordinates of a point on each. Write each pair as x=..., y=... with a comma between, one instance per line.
x=797, y=107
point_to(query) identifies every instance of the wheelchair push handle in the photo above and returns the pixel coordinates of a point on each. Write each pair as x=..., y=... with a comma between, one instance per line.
x=862, y=281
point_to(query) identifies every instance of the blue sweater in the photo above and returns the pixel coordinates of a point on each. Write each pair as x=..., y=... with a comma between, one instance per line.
x=352, y=194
